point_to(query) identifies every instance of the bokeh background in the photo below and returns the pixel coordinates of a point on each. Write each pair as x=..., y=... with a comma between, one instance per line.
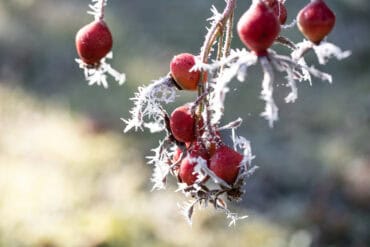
x=70, y=177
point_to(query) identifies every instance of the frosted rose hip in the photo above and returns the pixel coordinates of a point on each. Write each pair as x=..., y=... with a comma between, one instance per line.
x=316, y=20
x=258, y=28
x=182, y=124
x=225, y=163
x=93, y=42
x=180, y=70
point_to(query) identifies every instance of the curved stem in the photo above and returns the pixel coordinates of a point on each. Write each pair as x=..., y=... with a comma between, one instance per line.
x=102, y=6
x=216, y=29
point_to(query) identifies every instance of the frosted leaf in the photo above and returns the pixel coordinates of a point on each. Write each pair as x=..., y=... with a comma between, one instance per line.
x=271, y=110
x=98, y=74
x=147, y=104
x=325, y=50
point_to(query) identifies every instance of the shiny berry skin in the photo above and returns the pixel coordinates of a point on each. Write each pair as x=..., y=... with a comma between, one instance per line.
x=258, y=28
x=279, y=9
x=182, y=124
x=180, y=66
x=187, y=165
x=315, y=21
x=225, y=163
x=93, y=42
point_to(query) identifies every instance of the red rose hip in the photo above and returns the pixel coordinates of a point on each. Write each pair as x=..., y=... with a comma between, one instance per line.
x=182, y=124
x=180, y=70
x=187, y=165
x=316, y=20
x=225, y=163
x=93, y=42
x=258, y=28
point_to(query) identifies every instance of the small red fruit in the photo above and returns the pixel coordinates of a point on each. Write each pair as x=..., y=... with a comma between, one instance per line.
x=258, y=28
x=182, y=124
x=279, y=9
x=93, y=42
x=186, y=173
x=180, y=70
x=225, y=163
x=316, y=20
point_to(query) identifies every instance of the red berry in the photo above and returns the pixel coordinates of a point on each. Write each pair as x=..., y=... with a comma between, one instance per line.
x=316, y=20
x=182, y=124
x=225, y=163
x=186, y=173
x=180, y=66
x=258, y=28
x=93, y=42
x=279, y=9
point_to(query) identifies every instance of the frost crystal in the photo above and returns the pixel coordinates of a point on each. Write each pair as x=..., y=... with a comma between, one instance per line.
x=147, y=105
x=95, y=8
x=98, y=74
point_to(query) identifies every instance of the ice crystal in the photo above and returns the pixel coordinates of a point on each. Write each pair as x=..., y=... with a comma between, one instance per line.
x=161, y=166
x=97, y=74
x=96, y=8
x=271, y=111
x=147, y=104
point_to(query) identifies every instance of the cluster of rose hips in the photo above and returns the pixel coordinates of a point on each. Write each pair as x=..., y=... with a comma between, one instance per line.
x=193, y=149
x=188, y=131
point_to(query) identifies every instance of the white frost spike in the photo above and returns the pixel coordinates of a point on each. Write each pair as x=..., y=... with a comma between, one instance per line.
x=96, y=8
x=216, y=15
x=271, y=110
x=187, y=210
x=238, y=62
x=147, y=104
x=161, y=168
x=326, y=50
x=98, y=75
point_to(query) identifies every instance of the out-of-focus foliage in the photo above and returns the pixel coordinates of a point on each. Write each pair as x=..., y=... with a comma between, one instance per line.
x=69, y=177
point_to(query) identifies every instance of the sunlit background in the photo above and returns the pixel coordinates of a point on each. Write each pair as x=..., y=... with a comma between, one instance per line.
x=70, y=177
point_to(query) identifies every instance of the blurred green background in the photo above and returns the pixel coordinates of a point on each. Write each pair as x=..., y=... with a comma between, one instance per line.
x=70, y=177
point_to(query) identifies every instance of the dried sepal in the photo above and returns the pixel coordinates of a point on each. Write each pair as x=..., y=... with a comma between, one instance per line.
x=97, y=74
x=325, y=50
x=147, y=105
x=271, y=110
